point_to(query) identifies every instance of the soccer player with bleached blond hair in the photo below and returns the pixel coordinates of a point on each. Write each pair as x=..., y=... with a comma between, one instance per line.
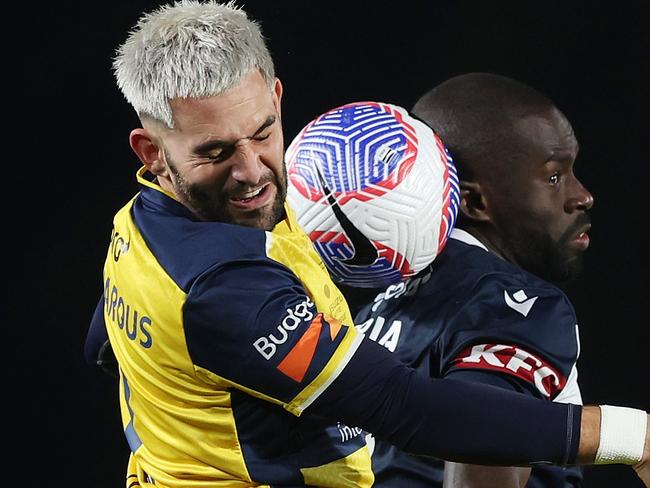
x=238, y=360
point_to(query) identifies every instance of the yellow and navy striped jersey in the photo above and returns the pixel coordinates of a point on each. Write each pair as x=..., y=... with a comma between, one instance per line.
x=224, y=334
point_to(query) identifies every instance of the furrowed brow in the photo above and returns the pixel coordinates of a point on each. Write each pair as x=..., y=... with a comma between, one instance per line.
x=270, y=120
x=207, y=147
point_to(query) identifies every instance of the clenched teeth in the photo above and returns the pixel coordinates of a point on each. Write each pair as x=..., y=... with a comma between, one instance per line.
x=249, y=195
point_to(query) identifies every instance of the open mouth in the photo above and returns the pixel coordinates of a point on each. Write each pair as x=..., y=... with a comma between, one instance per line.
x=582, y=239
x=254, y=198
x=248, y=196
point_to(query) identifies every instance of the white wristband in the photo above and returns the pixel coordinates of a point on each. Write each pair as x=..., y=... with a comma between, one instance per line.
x=622, y=435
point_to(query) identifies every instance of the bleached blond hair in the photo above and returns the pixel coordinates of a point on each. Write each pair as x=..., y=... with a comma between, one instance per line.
x=188, y=49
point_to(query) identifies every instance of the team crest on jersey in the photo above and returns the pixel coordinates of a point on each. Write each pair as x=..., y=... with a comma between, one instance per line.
x=515, y=361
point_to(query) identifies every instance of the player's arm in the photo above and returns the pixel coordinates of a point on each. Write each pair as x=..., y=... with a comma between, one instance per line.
x=97, y=348
x=479, y=425
x=271, y=342
x=643, y=468
x=532, y=353
x=598, y=447
x=97, y=336
x=461, y=475
x=446, y=419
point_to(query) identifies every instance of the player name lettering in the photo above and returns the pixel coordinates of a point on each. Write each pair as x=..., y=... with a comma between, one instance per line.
x=267, y=345
x=402, y=288
x=374, y=330
x=133, y=323
x=118, y=245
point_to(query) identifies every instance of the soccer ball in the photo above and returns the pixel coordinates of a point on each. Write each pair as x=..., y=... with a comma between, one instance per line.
x=376, y=191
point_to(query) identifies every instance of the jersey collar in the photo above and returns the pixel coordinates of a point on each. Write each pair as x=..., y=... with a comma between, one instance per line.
x=141, y=176
x=467, y=238
x=287, y=225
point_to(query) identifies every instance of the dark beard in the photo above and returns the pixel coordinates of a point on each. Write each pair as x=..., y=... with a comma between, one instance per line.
x=210, y=205
x=543, y=257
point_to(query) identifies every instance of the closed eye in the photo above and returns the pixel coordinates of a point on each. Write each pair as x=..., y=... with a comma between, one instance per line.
x=221, y=154
x=218, y=150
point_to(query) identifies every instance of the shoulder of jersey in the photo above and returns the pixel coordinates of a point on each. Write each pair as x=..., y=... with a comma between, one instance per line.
x=186, y=248
x=466, y=263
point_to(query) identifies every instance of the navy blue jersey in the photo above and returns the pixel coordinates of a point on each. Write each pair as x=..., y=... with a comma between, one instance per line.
x=475, y=317
x=233, y=350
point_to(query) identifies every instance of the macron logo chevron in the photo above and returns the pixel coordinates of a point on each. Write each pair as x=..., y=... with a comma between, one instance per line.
x=519, y=302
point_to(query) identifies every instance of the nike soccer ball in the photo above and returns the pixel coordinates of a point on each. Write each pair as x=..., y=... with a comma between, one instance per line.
x=376, y=191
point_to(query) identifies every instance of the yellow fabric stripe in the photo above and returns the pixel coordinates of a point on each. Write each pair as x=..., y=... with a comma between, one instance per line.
x=194, y=431
x=211, y=377
x=329, y=373
x=351, y=471
x=143, y=181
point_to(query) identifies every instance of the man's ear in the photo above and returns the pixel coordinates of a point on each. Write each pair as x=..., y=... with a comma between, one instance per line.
x=277, y=96
x=144, y=145
x=473, y=205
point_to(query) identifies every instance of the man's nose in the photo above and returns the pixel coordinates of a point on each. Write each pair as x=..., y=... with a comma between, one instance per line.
x=581, y=198
x=247, y=166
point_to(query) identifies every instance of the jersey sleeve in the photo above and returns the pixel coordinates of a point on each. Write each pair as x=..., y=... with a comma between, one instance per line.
x=253, y=325
x=446, y=419
x=526, y=331
x=97, y=336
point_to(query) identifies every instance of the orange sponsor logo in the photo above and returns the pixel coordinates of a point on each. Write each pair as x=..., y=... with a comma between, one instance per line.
x=297, y=361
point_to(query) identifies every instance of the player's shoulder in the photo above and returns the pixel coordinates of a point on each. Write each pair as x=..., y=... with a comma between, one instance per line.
x=186, y=247
x=467, y=263
x=492, y=297
x=465, y=272
x=506, y=321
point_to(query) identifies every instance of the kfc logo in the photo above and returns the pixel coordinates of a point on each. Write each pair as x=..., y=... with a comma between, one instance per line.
x=515, y=361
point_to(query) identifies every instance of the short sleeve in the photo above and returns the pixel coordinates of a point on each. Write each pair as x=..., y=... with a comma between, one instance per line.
x=508, y=326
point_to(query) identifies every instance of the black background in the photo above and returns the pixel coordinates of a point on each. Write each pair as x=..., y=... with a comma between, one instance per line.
x=69, y=167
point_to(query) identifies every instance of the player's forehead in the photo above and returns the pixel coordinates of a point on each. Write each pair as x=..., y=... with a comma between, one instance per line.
x=545, y=134
x=236, y=113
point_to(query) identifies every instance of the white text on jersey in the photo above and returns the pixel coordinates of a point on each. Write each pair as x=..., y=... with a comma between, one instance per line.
x=267, y=345
x=375, y=325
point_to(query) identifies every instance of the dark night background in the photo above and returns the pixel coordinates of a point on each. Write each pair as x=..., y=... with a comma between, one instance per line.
x=71, y=168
